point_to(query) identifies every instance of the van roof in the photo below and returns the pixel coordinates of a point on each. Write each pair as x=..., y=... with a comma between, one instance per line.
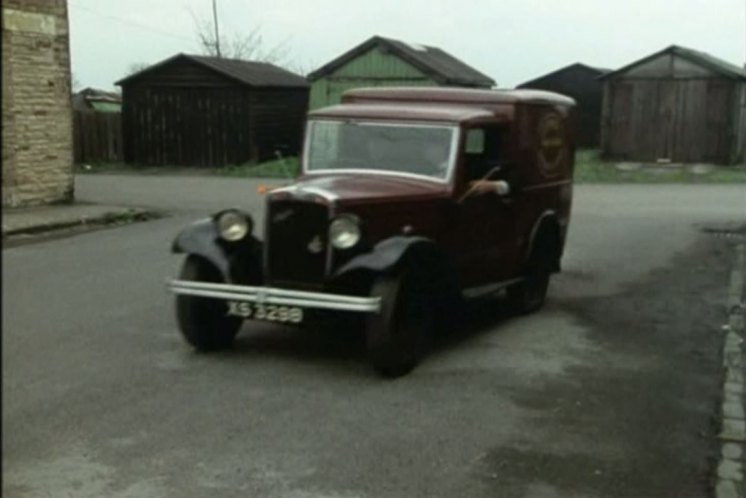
x=463, y=96
x=418, y=111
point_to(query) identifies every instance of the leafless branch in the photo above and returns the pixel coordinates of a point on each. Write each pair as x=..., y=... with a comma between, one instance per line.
x=75, y=83
x=249, y=45
x=302, y=68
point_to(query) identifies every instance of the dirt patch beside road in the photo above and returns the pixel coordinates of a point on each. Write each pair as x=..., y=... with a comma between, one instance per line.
x=641, y=420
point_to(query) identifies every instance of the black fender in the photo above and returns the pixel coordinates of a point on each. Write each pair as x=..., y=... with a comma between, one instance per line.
x=546, y=234
x=384, y=257
x=237, y=261
x=201, y=239
x=425, y=262
x=419, y=254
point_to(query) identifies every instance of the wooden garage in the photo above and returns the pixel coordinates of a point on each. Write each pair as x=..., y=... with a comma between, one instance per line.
x=678, y=105
x=383, y=61
x=194, y=110
x=580, y=82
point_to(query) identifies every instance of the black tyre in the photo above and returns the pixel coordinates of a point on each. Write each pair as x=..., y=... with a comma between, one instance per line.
x=204, y=322
x=398, y=336
x=529, y=295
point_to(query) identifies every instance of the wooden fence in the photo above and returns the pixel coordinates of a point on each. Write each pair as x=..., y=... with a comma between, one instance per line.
x=97, y=137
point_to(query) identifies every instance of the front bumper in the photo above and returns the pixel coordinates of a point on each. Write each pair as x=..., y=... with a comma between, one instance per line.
x=275, y=296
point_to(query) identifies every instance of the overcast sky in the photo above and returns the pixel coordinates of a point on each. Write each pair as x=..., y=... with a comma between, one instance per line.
x=510, y=40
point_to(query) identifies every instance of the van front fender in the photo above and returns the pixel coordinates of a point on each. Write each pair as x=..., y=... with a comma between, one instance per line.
x=238, y=262
x=388, y=255
x=201, y=239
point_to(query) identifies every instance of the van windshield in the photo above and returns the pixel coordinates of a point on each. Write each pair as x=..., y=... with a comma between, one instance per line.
x=425, y=150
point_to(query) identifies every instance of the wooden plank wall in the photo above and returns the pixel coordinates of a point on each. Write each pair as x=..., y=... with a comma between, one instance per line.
x=187, y=126
x=278, y=118
x=97, y=137
x=687, y=120
x=673, y=108
x=738, y=125
x=616, y=123
x=211, y=126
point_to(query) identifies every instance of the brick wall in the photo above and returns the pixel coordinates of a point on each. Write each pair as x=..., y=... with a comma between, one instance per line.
x=37, y=114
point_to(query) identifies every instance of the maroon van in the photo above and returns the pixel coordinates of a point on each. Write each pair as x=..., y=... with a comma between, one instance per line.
x=409, y=199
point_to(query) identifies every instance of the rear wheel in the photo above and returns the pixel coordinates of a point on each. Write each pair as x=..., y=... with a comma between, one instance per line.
x=529, y=295
x=397, y=337
x=204, y=322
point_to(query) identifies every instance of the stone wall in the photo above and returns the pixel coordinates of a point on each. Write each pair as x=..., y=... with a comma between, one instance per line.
x=37, y=113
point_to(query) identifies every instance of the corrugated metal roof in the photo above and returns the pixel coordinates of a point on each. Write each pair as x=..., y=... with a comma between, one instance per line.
x=715, y=64
x=709, y=60
x=578, y=65
x=252, y=73
x=259, y=74
x=97, y=100
x=103, y=95
x=602, y=70
x=106, y=106
x=433, y=61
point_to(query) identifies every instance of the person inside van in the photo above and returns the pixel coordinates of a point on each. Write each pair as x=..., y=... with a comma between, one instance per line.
x=436, y=157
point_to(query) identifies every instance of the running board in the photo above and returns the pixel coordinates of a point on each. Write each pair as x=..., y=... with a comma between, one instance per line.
x=484, y=290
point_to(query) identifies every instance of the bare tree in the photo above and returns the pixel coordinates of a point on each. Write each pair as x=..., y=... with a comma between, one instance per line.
x=302, y=68
x=75, y=83
x=248, y=45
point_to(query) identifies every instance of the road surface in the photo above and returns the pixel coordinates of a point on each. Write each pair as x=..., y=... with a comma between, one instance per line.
x=609, y=391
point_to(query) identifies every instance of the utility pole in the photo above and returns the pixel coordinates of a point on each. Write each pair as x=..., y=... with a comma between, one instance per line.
x=217, y=30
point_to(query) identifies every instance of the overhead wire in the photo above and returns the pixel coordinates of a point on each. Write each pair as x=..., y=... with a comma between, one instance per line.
x=130, y=22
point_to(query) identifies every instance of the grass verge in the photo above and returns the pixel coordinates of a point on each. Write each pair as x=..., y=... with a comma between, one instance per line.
x=278, y=168
x=590, y=168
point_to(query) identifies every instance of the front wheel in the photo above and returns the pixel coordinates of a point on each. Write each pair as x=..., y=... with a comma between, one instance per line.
x=397, y=336
x=204, y=322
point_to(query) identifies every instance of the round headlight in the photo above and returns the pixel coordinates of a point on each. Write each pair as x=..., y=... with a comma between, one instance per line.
x=233, y=226
x=344, y=232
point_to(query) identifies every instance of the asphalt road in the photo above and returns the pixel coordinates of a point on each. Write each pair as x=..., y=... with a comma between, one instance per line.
x=610, y=391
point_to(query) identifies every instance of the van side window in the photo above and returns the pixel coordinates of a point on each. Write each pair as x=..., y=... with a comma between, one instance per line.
x=475, y=141
x=482, y=151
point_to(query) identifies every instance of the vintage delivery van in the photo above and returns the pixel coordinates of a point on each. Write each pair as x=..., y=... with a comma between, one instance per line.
x=409, y=200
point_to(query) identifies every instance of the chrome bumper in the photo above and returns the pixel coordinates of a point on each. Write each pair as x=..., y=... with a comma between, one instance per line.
x=271, y=295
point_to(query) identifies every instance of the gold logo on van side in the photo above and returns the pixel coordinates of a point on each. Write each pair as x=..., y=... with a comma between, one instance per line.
x=552, y=150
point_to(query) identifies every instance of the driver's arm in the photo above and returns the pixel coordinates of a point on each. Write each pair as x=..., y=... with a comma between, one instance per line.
x=499, y=187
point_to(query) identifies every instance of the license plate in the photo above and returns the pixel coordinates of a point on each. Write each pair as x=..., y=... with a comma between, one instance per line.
x=267, y=312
